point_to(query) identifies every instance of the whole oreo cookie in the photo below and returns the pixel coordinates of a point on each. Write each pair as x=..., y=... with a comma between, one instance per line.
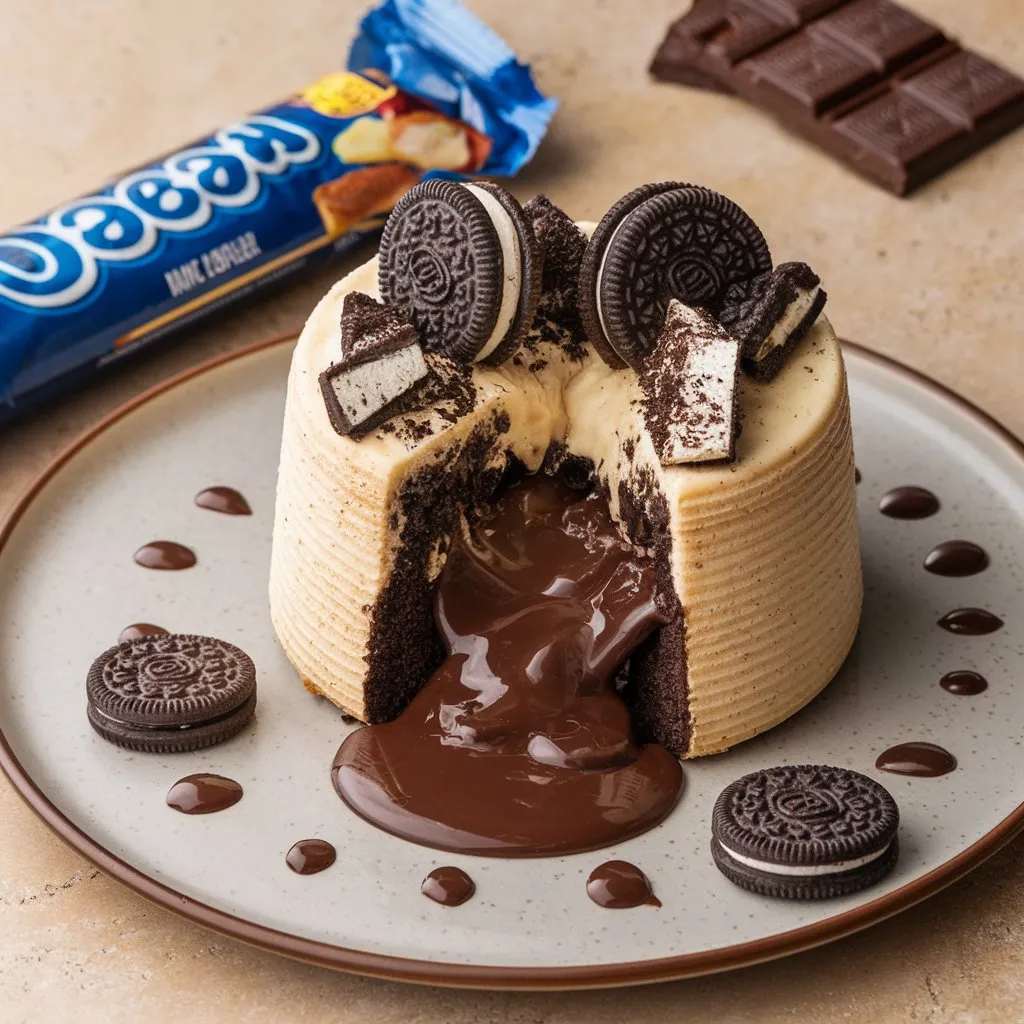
x=171, y=693
x=805, y=832
x=462, y=263
x=660, y=242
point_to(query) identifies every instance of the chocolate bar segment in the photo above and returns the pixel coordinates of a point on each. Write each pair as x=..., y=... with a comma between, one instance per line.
x=868, y=81
x=885, y=34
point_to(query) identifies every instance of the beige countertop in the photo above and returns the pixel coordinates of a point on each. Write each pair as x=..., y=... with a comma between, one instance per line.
x=934, y=281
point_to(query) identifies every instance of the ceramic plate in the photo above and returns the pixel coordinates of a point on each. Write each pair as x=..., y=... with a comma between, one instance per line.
x=68, y=585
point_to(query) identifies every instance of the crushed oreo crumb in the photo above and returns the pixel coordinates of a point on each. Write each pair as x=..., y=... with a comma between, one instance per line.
x=368, y=325
x=562, y=246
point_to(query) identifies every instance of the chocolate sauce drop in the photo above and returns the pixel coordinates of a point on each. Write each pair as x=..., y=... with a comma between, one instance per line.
x=203, y=794
x=538, y=607
x=449, y=886
x=223, y=499
x=964, y=683
x=908, y=503
x=956, y=558
x=618, y=885
x=925, y=760
x=970, y=622
x=165, y=554
x=139, y=629
x=856, y=475
x=308, y=856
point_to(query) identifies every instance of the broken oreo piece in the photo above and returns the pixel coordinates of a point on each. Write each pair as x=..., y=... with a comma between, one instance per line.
x=805, y=832
x=171, y=693
x=780, y=310
x=368, y=324
x=690, y=383
x=562, y=246
x=381, y=363
x=661, y=242
x=461, y=262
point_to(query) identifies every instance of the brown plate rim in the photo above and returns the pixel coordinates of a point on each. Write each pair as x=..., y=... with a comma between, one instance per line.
x=394, y=968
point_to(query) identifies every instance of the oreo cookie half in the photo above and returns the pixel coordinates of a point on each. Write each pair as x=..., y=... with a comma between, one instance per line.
x=171, y=693
x=779, y=311
x=461, y=261
x=805, y=832
x=660, y=242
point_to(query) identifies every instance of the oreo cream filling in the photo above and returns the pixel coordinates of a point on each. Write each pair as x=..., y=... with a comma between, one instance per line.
x=510, y=257
x=789, y=322
x=804, y=870
x=600, y=275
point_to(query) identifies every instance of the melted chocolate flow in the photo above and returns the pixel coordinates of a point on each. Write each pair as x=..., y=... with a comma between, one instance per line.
x=924, y=760
x=308, y=856
x=519, y=746
x=956, y=558
x=165, y=554
x=964, y=683
x=619, y=885
x=908, y=503
x=203, y=794
x=139, y=629
x=449, y=886
x=223, y=499
x=970, y=622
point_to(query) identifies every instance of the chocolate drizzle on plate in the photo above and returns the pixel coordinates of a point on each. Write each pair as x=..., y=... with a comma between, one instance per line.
x=165, y=554
x=956, y=558
x=619, y=885
x=964, y=683
x=449, y=886
x=970, y=622
x=908, y=502
x=539, y=604
x=203, y=794
x=924, y=760
x=139, y=629
x=310, y=856
x=223, y=499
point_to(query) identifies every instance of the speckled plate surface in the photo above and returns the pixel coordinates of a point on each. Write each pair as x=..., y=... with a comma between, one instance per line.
x=68, y=585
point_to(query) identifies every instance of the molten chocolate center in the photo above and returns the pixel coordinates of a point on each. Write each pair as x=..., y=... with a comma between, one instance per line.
x=519, y=744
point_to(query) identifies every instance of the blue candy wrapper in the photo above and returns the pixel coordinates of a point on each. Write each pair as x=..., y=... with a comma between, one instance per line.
x=429, y=89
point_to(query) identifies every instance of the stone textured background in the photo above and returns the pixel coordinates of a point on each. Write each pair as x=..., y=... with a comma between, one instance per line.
x=935, y=281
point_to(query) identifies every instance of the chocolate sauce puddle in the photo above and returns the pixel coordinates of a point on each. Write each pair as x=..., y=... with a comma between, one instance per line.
x=309, y=856
x=924, y=760
x=970, y=622
x=908, y=503
x=223, y=499
x=203, y=794
x=519, y=746
x=956, y=558
x=139, y=629
x=964, y=683
x=619, y=885
x=449, y=886
x=165, y=554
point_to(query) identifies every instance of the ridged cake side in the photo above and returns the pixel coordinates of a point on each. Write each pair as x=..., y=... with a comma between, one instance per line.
x=772, y=585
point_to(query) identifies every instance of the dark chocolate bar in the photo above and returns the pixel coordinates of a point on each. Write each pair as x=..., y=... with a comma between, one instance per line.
x=868, y=81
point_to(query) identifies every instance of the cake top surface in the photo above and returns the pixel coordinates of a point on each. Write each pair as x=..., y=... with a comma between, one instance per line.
x=778, y=417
